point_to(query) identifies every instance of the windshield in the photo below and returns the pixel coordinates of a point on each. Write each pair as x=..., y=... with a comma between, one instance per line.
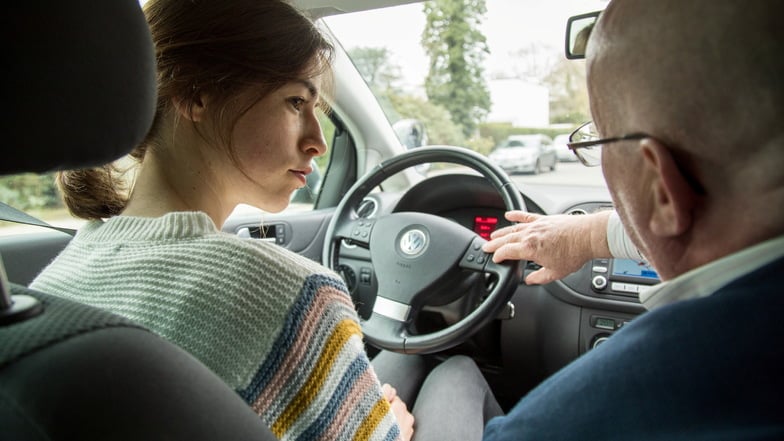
x=508, y=84
x=513, y=86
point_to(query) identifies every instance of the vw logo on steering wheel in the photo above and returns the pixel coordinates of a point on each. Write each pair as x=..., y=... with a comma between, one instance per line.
x=413, y=243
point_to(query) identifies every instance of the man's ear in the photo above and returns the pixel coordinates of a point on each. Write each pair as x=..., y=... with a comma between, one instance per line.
x=190, y=110
x=673, y=198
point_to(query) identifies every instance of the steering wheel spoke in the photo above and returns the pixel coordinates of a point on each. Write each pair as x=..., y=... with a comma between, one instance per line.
x=385, y=332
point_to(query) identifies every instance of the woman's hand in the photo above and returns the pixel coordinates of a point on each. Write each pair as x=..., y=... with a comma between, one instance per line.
x=561, y=244
x=405, y=420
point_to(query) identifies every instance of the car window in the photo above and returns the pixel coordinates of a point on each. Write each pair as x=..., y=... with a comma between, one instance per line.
x=39, y=196
x=532, y=89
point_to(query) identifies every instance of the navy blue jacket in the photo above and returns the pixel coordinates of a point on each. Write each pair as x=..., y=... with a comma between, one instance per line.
x=703, y=369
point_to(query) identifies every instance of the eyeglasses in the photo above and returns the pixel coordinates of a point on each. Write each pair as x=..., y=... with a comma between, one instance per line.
x=587, y=146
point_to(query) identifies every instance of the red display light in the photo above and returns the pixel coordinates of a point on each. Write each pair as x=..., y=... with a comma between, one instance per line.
x=485, y=225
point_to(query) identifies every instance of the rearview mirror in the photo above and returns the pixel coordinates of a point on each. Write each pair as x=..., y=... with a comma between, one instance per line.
x=578, y=30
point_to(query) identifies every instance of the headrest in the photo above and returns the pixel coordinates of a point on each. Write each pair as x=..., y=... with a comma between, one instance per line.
x=79, y=86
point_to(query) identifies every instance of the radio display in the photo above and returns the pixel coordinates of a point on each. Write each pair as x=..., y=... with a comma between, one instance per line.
x=633, y=268
x=485, y=225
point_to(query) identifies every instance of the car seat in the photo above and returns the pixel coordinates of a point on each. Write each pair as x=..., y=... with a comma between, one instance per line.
x=80, y=91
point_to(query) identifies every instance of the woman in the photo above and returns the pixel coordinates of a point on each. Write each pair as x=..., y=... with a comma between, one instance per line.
x=239, y=85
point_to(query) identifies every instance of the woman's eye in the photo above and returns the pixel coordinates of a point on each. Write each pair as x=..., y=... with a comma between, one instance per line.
x=297, y=102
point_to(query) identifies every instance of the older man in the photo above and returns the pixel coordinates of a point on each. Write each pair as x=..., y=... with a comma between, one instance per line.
x=689, y=100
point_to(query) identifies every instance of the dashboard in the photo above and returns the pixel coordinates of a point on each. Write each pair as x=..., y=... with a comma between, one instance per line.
x=545, y=326
x=471, y=202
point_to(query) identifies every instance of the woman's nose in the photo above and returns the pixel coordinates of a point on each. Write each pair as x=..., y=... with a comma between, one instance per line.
x=314, y=142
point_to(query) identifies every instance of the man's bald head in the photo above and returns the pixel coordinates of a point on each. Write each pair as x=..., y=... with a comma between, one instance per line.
x=703, y=79
x=704, y=76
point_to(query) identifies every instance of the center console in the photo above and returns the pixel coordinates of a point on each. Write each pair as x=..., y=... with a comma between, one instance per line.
x=622, y=277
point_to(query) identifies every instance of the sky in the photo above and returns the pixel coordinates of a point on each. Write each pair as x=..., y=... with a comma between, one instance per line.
x=509, y=25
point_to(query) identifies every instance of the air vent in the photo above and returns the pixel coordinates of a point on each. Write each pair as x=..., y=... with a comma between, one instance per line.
x=367, y=208
x=576, y=211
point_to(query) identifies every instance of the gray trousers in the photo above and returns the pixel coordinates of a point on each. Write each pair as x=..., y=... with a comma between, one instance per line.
x=451, y=401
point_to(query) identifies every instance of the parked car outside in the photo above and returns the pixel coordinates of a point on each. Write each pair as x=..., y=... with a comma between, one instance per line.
x=525, y=154
x=563, y=152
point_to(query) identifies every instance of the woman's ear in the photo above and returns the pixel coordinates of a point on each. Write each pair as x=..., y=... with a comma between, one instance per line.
x=191, y=110
x=673, y=198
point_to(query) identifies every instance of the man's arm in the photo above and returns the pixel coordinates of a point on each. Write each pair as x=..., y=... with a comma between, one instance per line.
x=561, y=243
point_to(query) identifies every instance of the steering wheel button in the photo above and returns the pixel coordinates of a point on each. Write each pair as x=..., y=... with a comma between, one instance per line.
x=470, y=258
x=480, y=259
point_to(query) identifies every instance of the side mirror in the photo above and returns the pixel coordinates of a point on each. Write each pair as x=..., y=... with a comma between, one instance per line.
x=578, y=30
x=410, y=132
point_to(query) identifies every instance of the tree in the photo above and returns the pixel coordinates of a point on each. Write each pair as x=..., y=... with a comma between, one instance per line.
x=381, y=74
x=30, y=191
x=565, y=80
x=534, y=61
x=374, y=66
x=439, y=126
x=456, y=49
x=568, y=92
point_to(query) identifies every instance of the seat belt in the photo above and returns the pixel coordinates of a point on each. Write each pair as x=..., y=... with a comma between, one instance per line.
x=11, y=214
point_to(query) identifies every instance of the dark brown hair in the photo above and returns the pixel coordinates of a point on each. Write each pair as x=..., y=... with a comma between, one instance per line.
x=219, y=48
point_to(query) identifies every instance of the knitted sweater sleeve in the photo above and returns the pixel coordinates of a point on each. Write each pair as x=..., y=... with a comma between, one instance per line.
x=317, y=381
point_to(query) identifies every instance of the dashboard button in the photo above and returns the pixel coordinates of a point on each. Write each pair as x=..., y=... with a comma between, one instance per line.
x=599, y=339
x=599, y=282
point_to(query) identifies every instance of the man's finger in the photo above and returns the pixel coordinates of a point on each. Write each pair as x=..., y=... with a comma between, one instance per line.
x=540, y=277
x=521, y=216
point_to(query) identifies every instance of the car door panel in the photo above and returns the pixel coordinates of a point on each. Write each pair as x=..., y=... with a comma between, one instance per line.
x=300, y=232
x=25, y=255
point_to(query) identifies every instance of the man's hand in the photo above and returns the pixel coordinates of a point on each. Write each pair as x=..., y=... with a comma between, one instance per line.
x=561, y=244
x=404, y=418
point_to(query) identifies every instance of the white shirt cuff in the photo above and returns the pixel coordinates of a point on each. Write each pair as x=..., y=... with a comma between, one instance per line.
x=618, y=240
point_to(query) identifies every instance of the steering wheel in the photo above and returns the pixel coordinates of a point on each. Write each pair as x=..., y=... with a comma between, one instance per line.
x=412, y=252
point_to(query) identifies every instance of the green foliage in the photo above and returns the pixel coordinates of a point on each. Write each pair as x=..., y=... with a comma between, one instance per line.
x=374, y=66
x=456, y=49
x=439, y=126
x=479, y=144
x=497, y=132
x=381, y=75
x=30, y=191
x=568, y=92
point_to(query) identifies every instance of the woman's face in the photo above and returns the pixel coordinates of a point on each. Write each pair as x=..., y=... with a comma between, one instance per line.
x=275, y=141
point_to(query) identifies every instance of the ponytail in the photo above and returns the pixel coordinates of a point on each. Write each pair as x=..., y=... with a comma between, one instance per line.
x=99, y=192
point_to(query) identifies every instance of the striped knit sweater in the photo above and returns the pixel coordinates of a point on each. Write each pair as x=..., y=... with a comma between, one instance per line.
x=277, y=327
